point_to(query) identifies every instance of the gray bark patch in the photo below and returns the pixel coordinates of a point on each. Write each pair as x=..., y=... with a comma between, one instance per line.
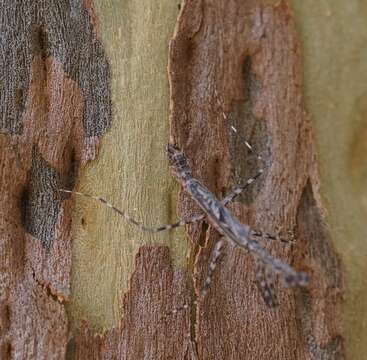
x=63, y=30
x=333, y=350
x=316, y=235
x=40, y=202
x=246, y=163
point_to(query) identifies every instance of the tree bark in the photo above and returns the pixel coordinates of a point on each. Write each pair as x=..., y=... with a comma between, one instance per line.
x=77, y=281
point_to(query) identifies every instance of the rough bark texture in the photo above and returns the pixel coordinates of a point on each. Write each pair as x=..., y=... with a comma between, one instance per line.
x=147, y=330
x=230, y=63
x=243, y=60
x=51, y=118
x=333, y=37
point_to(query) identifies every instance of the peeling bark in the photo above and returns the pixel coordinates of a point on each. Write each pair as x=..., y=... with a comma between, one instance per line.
x=230, y=63
x=50, y=122
x=148, y=328
x=243, y=59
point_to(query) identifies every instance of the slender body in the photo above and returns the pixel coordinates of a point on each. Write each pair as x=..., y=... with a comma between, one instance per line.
x=227, y=224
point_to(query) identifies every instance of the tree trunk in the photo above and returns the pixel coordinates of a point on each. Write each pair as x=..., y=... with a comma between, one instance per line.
x=77, y=280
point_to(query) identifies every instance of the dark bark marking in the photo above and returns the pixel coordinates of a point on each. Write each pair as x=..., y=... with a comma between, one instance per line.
x=5, y=344
x=312, y=228
x=244, y=163
x=256, y=80
x=203, y=234
x=6, y=350
x=315, y=233
x=4, y=318
x=70, y=349
x=333, y=350
x=40, y=201
x=52, y=28
x=44, y=46
x=39, y=41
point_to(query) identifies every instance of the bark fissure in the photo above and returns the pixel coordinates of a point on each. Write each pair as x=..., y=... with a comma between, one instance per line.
x=259, y=71
x=54, y=103
x=231, y=63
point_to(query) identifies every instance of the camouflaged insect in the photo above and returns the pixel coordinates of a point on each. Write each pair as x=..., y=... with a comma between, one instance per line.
x=241, y=234
x=226, y=224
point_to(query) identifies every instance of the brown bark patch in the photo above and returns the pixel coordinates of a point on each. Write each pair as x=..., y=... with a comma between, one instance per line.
x=239, y=63
x=148, y=327
x=51, y=116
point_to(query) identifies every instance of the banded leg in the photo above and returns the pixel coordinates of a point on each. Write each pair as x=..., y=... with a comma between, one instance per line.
x=238, y=190
x=267, y=236
x=214, y=257
x=255, y=233
x=245, y=142
x=164, y=227
x=264, y=281
x=265, y=285
x=131, y=220
x=228, y=198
